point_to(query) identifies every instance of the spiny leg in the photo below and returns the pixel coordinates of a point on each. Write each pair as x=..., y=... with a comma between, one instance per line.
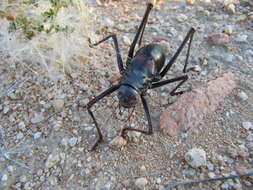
x=150, y=128
x=173, y=92
x=116, y=46
x=139, y=31
x=91, y=103
x=189, y=36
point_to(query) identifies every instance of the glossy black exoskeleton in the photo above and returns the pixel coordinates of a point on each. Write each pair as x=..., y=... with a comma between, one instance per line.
x=143, y=71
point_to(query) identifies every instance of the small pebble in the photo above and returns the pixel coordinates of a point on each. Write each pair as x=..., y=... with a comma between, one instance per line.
x=143, y=169
x=206, y=1
x=250, y=146
x=84, y=101
x=158, y=180
x=228, y=29
x=118, y=142
x=240, y=18
x=10, y=169
x=109, y=22
x=4, y=177
x=218, y=39
x=231, y=8
x=52, y=160
x=21, y=125
x=184, y=135
x=225, y=186
x=38, y=117
x=64, y=142
x=6, y=109
x=58, y=104
x=141, y=182
x=72, y=141
x=19, y=136
x=108, y=185
x=248, y=183
x=229, y=58
x=241, y=170
x=243, y=96
x=196, y=157
x=251, y=16
x=196, y=68
x=23, y=179
x=39, y=172
x=247, y=125
x=189, y=172
x=37, y=135
x=172, y=31
x=126, y=40
x=211, y=174
x=181, y=18
x=243, y=151
x=210, y=166
x=241, y=38
x=191, y=2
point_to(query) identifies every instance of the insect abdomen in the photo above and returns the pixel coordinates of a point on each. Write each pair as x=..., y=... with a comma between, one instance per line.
x=156, y=51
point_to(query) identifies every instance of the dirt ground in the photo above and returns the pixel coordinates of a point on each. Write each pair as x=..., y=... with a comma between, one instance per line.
x=45, y=122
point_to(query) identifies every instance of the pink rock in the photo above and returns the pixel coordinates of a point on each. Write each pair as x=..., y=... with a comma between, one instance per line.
x=218, y=39
x=192, y=107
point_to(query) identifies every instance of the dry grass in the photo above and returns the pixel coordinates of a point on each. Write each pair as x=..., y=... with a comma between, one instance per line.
x=44, y=44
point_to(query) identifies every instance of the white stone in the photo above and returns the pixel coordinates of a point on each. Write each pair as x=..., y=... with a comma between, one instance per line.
x=228, y=29
x=181, y=18
x=4, y=177
x=243, y=96
x=19, y=136
x=231, y=8
x=126, y=40
x=241, y=38
x=52, y=160
x=64, y=141
x=21, y=125
x=37, y=135
x=141, y=182
x=196, y=157
x=118, y=142
x=6, y=109
x=72, y=141
x=247, y=125
x=38, y=117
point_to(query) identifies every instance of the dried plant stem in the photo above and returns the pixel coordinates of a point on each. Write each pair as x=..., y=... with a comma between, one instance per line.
x=173, y=185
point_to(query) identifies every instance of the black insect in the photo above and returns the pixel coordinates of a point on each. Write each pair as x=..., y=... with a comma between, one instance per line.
x=143, y=71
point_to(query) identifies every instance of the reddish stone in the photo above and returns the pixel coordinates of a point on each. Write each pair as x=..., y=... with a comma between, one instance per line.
x=218, y=39
x=191, y=108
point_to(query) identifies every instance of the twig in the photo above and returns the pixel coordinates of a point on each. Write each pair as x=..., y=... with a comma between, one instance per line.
x=172, y=185
x=6, y=156
x=11, y=87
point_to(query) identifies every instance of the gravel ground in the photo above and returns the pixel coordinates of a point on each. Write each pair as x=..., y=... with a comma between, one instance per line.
x=46, y=133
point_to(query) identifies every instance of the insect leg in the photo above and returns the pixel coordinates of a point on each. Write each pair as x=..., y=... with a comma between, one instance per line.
x=173, y=59
x=173, y=92
x=150, y=128
x=116, y=46
x=91, y=103
x=139, y=31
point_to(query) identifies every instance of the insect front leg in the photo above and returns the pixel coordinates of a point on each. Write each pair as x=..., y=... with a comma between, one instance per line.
x=150, y=127
x=90, y=104
x=116, y=46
